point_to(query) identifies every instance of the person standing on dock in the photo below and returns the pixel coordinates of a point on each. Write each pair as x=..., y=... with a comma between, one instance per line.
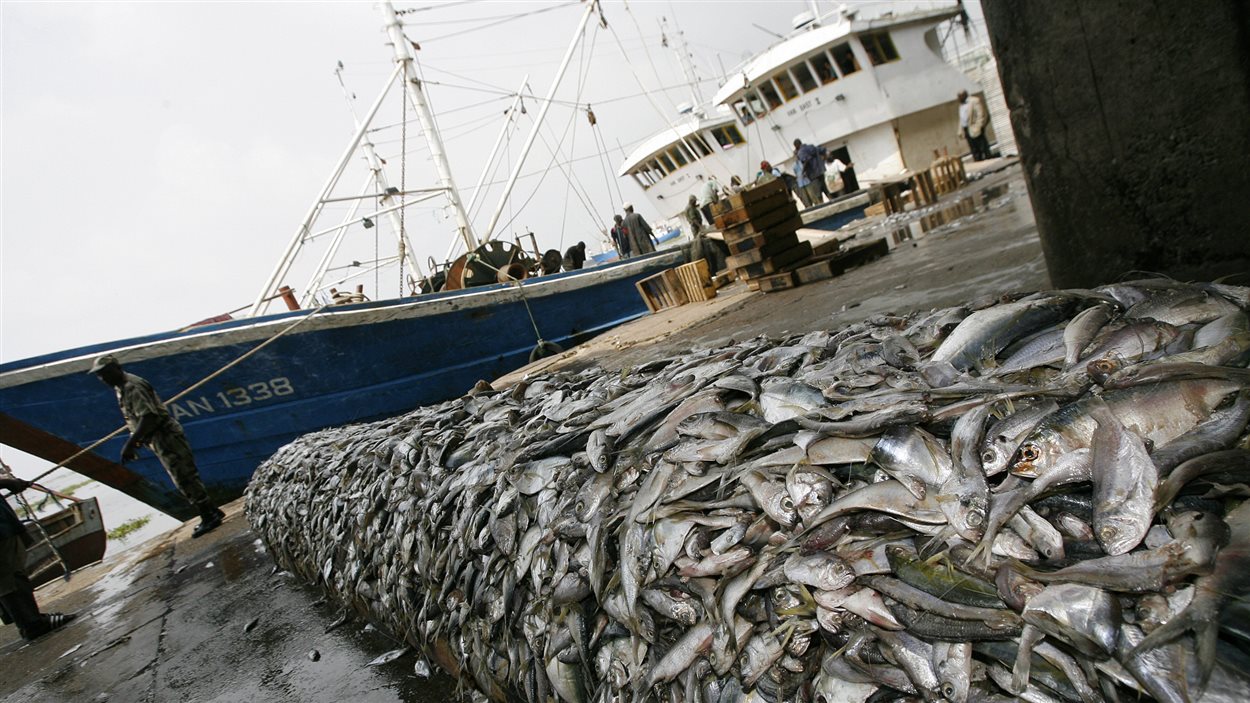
x=641, y=239
x=152, y=426
x=766, y=174
x=620, y=237
x=810, y=168
x=972, y=120
x=834, y=169
x=17, y=596
x=694, y=216
x=709, y=193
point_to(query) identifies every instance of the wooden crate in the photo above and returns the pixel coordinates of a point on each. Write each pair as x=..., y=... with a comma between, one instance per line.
x=662, y=290
x=948, y=174
x=753, y=210
x=748, y=196
x=695, y=281
x=875, y=210
x=774, y=220
x=785, y=261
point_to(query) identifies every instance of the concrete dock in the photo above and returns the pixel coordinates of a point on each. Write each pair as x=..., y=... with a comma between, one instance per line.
x=212, y=620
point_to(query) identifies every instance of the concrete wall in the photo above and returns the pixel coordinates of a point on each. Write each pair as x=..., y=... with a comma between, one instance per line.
x=1133, y=121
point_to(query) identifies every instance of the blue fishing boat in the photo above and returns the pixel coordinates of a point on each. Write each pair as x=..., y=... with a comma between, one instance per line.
x=318, y=368
x=241, y=388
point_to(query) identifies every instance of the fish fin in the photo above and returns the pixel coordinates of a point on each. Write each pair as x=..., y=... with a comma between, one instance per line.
x=1029, y=638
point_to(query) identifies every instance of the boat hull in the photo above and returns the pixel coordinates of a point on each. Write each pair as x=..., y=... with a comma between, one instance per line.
x=79, y=536
x=342, y=365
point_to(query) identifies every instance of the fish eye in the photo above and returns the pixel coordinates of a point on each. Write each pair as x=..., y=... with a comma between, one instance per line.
x=976, y=518
x=787, y=503
x=948, y=690
x=1029, y=452
x=988, y=456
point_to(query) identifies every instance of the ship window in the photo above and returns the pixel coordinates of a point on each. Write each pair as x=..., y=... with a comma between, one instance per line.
x=824, y=68
x=655, y=166
x=700, y=145
x=879, y=47
x=770, y=94
x=744, y=115
x=644, y=178
x=679, y=155
x=845, y=58
x=757, y=106
x=728, y=136
x=804, y=77
x=786, y=85
x=667, y=163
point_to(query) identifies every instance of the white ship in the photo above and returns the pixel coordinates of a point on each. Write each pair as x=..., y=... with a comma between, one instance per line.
x=875, y=91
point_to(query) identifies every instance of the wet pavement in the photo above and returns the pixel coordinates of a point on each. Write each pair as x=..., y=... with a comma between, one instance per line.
x=168, y=621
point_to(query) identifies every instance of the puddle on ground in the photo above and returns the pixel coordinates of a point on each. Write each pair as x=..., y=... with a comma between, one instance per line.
x=944, y=215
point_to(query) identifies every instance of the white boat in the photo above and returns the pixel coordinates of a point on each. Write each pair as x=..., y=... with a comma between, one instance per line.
x=875, y=91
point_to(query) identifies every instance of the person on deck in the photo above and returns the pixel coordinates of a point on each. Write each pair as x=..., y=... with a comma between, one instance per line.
x=709, y=194
x=799, y=187
x=575, y=257
x=17, y=596
x=835, y=184
x=641, y=239
x=766, y=173
x=152, y=426
x=810, y=168
x=694, y=216
x=620, y=237
x=973, y=118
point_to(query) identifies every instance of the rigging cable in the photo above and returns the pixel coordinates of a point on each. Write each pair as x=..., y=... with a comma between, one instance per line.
x=403, y=190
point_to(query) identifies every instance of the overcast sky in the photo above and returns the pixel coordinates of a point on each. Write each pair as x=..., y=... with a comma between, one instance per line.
x=155, y=158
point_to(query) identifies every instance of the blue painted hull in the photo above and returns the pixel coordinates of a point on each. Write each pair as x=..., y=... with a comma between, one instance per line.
x=346, y=364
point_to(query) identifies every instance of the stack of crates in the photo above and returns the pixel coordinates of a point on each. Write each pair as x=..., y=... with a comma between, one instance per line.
x=760, y=227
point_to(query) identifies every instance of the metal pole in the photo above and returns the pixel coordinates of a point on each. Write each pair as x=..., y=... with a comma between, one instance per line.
x=503, y=131
x=379, y=175
x=542, y=113
x=412, y=85
x=280, y=271
x=314, y=282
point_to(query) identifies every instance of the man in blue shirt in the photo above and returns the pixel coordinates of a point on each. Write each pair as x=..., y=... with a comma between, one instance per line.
x=810, y=168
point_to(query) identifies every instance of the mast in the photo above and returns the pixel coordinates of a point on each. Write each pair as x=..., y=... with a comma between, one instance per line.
x=686, y=60
x=538, y=121
x=288, y=258
x=379, y=177
x=412, y=85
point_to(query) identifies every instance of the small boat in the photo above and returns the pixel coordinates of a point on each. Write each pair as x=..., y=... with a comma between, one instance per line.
x=241, y=388
x=874, y=91
x=62, y=541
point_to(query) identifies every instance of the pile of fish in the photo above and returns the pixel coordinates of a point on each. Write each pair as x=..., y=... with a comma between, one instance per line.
x=1033, y=497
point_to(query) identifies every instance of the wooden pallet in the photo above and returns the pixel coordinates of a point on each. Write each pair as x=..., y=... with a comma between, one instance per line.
x=662, y=290
x=753, y=210
x=842, y=262
x=948, y=174
x=760, y=247
x=738, y=242
x=776, y=282
x=748, y=196
x=777, y=220
x=695, y=281
x=778, y=263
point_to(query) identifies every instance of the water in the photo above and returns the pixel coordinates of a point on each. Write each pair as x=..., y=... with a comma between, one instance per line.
x=116, y=508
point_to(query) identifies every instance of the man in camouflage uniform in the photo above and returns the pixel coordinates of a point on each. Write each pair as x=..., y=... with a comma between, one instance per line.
x=152, y=426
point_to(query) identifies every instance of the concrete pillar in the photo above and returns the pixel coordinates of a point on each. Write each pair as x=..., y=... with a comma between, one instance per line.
x=1133, y=121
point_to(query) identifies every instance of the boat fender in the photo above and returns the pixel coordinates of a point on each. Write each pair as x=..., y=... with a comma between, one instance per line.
x=544, y=349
